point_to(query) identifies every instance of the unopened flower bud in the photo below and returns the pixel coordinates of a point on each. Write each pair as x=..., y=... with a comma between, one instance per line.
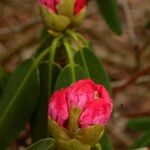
x=60, y=15
x=79, y=113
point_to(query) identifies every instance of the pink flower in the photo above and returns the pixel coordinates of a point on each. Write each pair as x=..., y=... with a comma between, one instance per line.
x=92, y=99
x=52, y=4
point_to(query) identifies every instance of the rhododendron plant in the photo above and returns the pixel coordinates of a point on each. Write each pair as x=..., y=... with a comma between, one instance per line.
x=64, y=67
x=82, y=106
x=60, y=15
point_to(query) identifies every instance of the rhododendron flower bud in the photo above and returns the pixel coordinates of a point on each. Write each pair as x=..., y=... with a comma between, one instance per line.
x=79, y=113
x=60, y=15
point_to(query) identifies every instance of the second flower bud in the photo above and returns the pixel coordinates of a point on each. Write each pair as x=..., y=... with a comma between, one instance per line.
x=60, y=15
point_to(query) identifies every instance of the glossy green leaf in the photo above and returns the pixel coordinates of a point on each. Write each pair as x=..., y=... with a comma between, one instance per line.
x=106, y=143
x=142, y=124
x=142, y=141
x=93, y=67
x=44, y=144
x=109, y=10
x=18, y=101
x=65, y=77
x=39, y=125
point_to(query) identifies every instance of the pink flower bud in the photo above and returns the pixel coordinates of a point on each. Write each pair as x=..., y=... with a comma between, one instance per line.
x=78, y=114
x=60, y=15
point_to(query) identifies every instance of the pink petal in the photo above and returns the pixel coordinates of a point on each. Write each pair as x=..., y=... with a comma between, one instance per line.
x=80, y=93
x=80, y=4
x=50, y=4
x=58, y=109
x=97, y=112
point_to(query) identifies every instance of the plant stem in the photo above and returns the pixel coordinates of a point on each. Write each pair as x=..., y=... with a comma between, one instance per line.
x=51, y=58
x=70, y=57
x=76, y=37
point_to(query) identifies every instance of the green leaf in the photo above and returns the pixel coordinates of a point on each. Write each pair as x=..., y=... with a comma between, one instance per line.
x=65, y=77
x=3, y=79
x=39, y=125
x=18, y=101
x=92, y=66
x=142, y=141
x=106, y=143
x=109, y=11
x=44, y=144
x=142, y=124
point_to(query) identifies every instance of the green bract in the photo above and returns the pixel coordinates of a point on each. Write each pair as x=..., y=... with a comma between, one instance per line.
x=75, y=137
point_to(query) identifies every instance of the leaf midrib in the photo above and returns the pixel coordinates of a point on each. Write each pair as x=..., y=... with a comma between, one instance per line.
x=17, y=93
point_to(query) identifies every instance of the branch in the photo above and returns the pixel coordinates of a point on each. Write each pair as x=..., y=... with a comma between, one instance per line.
x=132, y=80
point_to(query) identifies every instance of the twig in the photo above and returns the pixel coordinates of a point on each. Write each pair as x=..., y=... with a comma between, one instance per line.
x=132, y=79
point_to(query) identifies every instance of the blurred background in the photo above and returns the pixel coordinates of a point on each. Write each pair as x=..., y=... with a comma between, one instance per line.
x=125, y=57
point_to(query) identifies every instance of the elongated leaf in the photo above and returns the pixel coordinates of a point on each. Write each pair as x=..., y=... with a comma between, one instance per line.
x=142, y=124
x=39, y=128
x=92, y=66
x=44, y=144
x=65, y=77
x=18, y=102
x=109, y=11
x=142, y=141
x=106, y=143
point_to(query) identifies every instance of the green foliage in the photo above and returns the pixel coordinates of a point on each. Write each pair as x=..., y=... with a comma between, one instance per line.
x=3, y=79
x=141, y=124
x=93, y=67
x=109, y=11
x=142, y=141
x=44, y=144
x=66, y=76
x=106, y=143
x=18, y=101
x=25, y=98
x=40, y=119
